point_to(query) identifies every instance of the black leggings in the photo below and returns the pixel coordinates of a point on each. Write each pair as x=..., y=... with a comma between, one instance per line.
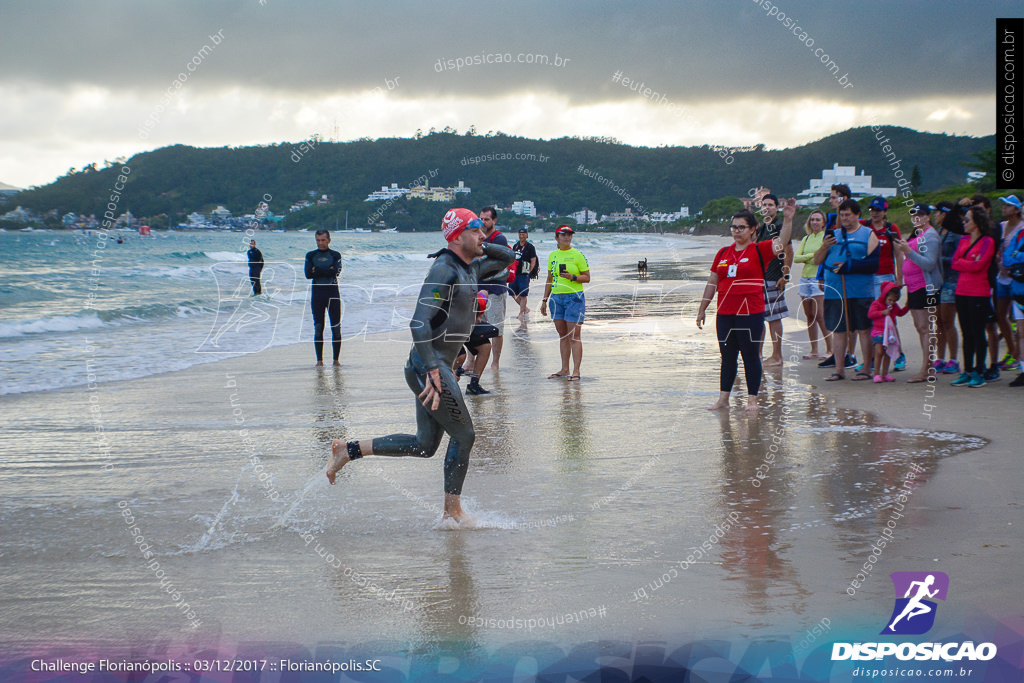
x=451, y=416
x=974, y=312
x=329, y=299
x=740, y=335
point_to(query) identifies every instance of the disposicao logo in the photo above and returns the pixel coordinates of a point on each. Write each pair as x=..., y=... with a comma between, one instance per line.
x=914, y=614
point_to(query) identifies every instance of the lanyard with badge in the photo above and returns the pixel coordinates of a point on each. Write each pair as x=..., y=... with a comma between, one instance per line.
x=734, y=266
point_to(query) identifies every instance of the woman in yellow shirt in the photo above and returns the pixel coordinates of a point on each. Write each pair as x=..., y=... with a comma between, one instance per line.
x=567, y=271
x=812, y=292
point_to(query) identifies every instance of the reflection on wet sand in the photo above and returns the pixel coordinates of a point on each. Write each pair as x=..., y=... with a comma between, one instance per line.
x=330, y=401
x=756, y=482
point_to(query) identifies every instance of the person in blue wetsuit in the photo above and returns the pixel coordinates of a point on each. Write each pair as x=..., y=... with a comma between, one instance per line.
x=323, y=266
x=441, y=325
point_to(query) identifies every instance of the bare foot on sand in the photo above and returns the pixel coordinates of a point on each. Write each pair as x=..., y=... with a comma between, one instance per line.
x=751, y=404
x=719, y=404
x=337, y=363
x=339, y=458
x=772, y=363
x=319, y=364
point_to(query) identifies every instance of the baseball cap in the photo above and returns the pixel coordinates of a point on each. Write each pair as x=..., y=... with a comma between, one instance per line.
x=921, y=207
x=562, y=229
x=879, y=203
x=457, y=220
x=1011, y=200
x=524, y=230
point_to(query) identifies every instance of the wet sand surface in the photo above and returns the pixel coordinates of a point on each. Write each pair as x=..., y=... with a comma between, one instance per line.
x=612, y=508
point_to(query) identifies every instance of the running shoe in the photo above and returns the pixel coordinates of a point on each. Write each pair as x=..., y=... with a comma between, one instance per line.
x=829, y=362
x=901, y=363
x=952, y=367
x=992, y=374
x=976, y=380
x=962, y=380
x=459, y=371
x=1008, y=363
x=475, y=389
x=851, y=361
x=938, y=365
x=1019, y=382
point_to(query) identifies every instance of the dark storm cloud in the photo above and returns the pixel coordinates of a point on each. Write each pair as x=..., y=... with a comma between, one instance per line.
x=693, y=52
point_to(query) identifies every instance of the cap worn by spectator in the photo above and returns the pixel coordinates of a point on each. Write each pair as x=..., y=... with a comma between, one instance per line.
x=1011, y=200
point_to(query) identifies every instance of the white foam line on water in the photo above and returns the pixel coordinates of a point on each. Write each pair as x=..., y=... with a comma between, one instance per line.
x=310, y=485
x=212, y=529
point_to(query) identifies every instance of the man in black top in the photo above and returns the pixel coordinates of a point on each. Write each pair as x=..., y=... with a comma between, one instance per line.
x=495, y=313
x=255, y=257
x=441, y=324
x=526, y=254
x=776, y=276
x=323, y=266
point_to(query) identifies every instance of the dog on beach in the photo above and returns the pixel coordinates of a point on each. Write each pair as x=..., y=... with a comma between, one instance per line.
x=641, y=268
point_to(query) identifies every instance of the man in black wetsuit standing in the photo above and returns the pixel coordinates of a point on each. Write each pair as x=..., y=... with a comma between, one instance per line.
x=440, y=325
x=255, y=257
x=323, y=266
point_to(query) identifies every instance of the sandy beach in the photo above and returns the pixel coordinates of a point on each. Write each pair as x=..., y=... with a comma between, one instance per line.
x=613, y=510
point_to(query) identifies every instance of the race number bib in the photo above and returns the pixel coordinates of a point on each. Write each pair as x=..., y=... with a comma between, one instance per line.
x=732, y=270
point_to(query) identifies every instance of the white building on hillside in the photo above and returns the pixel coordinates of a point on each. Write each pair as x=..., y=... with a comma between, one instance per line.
x=584, y=217
x=860, y=185
x=384, y=193
x=524, y=208
x=684, y=212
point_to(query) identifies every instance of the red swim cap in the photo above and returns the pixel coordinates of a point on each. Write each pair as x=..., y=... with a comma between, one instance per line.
x=457, y=220
x=481, y=300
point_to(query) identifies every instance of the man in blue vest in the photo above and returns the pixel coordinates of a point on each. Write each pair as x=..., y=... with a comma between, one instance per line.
x=850, y=256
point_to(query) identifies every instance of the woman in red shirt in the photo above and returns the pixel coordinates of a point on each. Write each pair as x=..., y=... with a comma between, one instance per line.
x=974, y=294
x=737, y=274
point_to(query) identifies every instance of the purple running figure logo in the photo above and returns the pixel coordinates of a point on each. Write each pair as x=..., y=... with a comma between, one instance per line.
x=914, y=612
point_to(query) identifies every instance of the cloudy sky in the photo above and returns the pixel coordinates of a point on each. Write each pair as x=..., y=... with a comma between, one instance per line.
x=85, y=82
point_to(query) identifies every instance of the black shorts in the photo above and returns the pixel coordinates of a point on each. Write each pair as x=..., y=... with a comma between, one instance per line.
x=920, y=299
x=835, y=318
x=482, y=334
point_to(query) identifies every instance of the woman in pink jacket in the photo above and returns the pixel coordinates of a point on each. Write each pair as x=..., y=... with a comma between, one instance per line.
x=974, y=294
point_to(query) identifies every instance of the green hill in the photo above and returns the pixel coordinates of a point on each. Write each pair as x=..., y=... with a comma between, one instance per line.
x=178, y=180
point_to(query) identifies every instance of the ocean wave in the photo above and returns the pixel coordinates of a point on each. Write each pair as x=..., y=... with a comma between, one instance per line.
x=385, y=258
x=61, y=323
x=94, y=320
x=226, y=256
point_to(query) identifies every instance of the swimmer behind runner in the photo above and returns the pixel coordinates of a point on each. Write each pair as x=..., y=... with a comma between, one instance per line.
x=441, y=325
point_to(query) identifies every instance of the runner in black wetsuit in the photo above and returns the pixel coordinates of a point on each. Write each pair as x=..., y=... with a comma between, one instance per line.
x=441, y=325
x=323, y=266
